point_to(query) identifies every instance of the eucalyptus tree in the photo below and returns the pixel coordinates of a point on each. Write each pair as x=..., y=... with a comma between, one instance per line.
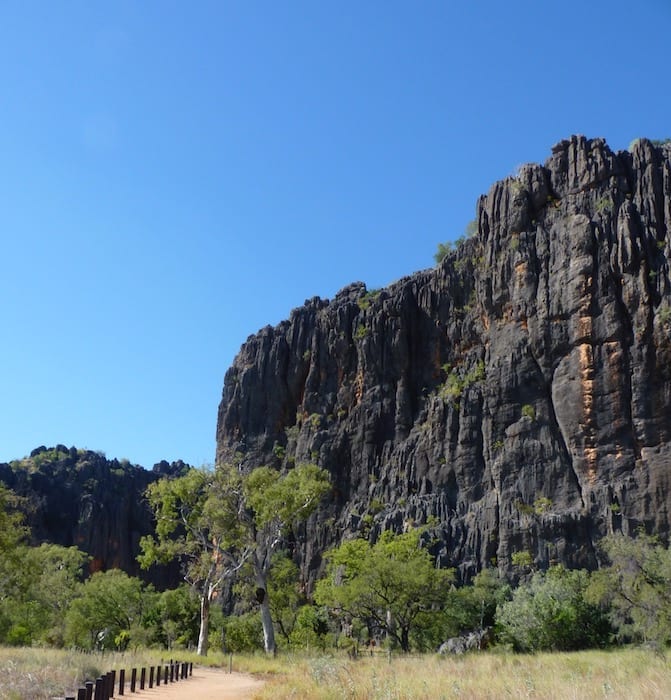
x=392, y=585
x=217, y=521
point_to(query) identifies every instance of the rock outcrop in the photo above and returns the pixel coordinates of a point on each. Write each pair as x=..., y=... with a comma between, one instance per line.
x=519, y=394
x=80, y=498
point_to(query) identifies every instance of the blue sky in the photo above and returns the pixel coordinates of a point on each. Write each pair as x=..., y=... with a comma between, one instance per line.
x=176, y=175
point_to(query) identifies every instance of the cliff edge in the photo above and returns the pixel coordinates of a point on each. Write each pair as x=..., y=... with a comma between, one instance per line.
x=519, y=393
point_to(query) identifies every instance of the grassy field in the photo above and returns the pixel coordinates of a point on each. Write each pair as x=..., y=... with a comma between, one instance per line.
x=42, y=674
x=634, y=674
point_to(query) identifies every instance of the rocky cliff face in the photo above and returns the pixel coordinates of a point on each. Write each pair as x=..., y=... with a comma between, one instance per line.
x=79, y=498
x=519, y=393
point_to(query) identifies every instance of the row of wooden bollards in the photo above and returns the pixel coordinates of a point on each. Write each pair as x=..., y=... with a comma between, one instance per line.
x=103, y=688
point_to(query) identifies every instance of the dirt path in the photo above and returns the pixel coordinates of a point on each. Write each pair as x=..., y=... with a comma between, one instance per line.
x=204, y=684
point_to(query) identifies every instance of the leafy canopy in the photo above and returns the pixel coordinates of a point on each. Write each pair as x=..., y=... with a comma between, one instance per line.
x=392, y=585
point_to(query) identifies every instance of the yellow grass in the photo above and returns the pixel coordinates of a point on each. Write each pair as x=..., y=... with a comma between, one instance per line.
x=632, y=674
x=40, y=674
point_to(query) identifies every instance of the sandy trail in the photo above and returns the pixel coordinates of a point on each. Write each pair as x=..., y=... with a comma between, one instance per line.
x=204, y=684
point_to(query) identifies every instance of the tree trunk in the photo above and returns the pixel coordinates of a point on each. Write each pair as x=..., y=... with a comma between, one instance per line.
x=266, y=617
x=204, y=624
x=405, y=639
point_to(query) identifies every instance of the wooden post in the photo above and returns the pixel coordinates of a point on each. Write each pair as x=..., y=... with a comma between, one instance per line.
x=89, y=690
x=122, y=681
x=158, y=676
x=112, y=682
x=230, y=663
x=172, y=671
x=133, y=679
x=100, y=689
x=81, y=694
x=191, y=668
x=166, y=675
x=143, y=677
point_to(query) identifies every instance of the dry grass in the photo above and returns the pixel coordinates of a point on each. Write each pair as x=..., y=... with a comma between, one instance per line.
x=634, y=674
x=631, y=674
x=42, y=674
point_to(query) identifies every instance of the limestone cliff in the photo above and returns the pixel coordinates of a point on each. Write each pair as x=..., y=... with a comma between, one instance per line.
x=519, y=393
x=80, y=498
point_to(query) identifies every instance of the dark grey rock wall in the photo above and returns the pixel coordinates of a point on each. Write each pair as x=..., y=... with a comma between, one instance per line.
x=519, y=393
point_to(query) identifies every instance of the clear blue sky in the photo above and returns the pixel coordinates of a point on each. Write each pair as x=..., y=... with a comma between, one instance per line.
x=176, y=175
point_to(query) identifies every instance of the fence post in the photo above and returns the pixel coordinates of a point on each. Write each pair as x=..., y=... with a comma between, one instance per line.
x=143, y=677
x=89, y=690
x=151, y=676
x=191, y=668
x=133, y=679
x=81, y=694
x=158, y=675
x=100, y=688
x=122, y=681
x=111, y=680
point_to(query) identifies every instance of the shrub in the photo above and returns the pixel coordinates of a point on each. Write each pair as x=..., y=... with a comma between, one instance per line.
x=550, y=613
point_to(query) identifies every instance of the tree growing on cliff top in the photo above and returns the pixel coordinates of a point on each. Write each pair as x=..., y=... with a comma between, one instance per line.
x=216, y=521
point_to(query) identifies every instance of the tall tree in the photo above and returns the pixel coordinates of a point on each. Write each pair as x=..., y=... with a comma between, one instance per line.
x=392, y=585
x=200, y=519
x=218, y=520
x=635, y=587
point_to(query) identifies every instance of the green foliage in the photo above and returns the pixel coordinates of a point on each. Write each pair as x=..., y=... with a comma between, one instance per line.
x=456, y=382
x=635, y=587
x=444, y=249
x=542, y=505
x=393, y=584
x=603, y=203
x=361, y=332
x=311, y=630
x=664, y=313
x=522, y=559
x=177, y=618
x=243, y=633
x=528, y=411
x=285, y=597
x=368, y=298
x=278, y=500
x=200, y=519
x=551, y=613
x=12, y=533
x=219, y=521
x=51, y=581
x=471, y=228
x=109, y=611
